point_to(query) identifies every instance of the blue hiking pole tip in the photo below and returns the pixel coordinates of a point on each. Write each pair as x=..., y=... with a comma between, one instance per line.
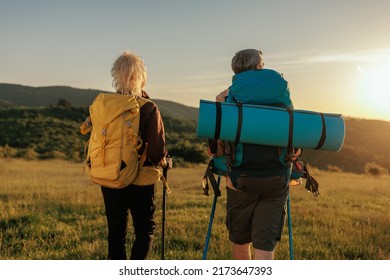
x=290, y=235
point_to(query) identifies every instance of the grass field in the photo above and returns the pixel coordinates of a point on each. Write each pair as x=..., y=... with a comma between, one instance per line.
x=49, y=210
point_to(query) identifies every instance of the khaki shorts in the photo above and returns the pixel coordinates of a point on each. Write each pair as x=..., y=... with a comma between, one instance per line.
x=256, y=217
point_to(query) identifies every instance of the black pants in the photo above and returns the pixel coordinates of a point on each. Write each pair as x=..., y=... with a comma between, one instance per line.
x=140, y=201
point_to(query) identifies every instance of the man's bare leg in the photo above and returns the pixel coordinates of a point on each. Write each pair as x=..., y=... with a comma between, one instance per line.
x=263, y=255
x=241, y=251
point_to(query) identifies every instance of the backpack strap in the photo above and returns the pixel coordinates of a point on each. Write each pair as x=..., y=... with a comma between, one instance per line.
x=161, y=176
x=218, y=120
x=230, y=147
x=290, y=149
x=142, y=101
x=311, y=183
x=86, y=126
x=239, y=124
x=209, y=177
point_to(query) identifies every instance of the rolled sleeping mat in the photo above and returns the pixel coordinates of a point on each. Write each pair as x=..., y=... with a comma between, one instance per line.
x=272, y=126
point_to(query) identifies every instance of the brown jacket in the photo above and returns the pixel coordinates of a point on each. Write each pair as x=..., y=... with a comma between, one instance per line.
x=152, y=132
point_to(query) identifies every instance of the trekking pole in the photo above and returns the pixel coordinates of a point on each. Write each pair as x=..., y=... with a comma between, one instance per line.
x=290, y=234
x=290, y=237
x=216, y=194
x=164, y=206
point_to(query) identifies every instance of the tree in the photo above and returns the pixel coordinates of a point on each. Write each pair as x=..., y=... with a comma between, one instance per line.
x=64, y=103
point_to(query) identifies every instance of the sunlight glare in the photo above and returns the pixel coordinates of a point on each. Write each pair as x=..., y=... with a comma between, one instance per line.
x=376, y=87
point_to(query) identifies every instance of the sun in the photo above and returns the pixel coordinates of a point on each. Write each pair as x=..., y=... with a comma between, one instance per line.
x=379, y=86
x=375, y=85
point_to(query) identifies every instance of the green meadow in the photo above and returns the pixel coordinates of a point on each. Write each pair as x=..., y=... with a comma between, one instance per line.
x=50, y=210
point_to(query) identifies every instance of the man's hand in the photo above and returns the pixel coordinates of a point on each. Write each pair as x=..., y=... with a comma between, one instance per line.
x=209, y=153
x=222, y=96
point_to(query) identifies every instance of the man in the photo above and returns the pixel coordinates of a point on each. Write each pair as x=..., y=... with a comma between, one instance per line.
x=255, y=216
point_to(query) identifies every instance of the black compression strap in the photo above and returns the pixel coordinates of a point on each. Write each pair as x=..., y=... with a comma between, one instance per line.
x=214, y=184
x=290, y=131
x=239, y=123
x=209, y=176
x=218, y=120
x=323, y=134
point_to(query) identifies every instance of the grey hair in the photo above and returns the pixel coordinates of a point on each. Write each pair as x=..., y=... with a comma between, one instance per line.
x=248, y=59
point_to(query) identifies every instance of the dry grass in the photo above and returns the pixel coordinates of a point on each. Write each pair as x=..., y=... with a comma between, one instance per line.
x=49, y=210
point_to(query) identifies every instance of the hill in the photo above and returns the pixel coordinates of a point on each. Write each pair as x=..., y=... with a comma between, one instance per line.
x=367, y=142
x=53, y=132
x=12, y=95
x=19, y=95
x=35, y=126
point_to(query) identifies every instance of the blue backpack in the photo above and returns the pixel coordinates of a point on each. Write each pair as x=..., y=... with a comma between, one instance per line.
x=260, y=87
x=256, y=167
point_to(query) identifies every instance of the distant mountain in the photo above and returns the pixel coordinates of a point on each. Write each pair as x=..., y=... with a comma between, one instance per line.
x=18, y=95
x=177, y=110
x=28, y=96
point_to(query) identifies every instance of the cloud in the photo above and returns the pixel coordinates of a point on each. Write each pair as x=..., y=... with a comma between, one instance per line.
x=304, y=59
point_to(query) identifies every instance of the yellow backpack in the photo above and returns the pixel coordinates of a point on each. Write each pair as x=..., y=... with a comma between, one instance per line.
x=112, y=158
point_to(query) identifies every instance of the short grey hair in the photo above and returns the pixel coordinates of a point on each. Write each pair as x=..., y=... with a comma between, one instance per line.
x=248, y=59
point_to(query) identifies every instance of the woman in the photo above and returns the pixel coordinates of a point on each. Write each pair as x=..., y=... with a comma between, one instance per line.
x=129, y=78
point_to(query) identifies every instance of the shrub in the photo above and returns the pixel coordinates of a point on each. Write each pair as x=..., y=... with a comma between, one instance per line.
x=7, y=151
x=28, y=153
x=372, y=168
x=189, y=152
x=334, y=168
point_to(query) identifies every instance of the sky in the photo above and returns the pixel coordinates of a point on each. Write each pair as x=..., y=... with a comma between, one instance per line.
x=335, y=54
